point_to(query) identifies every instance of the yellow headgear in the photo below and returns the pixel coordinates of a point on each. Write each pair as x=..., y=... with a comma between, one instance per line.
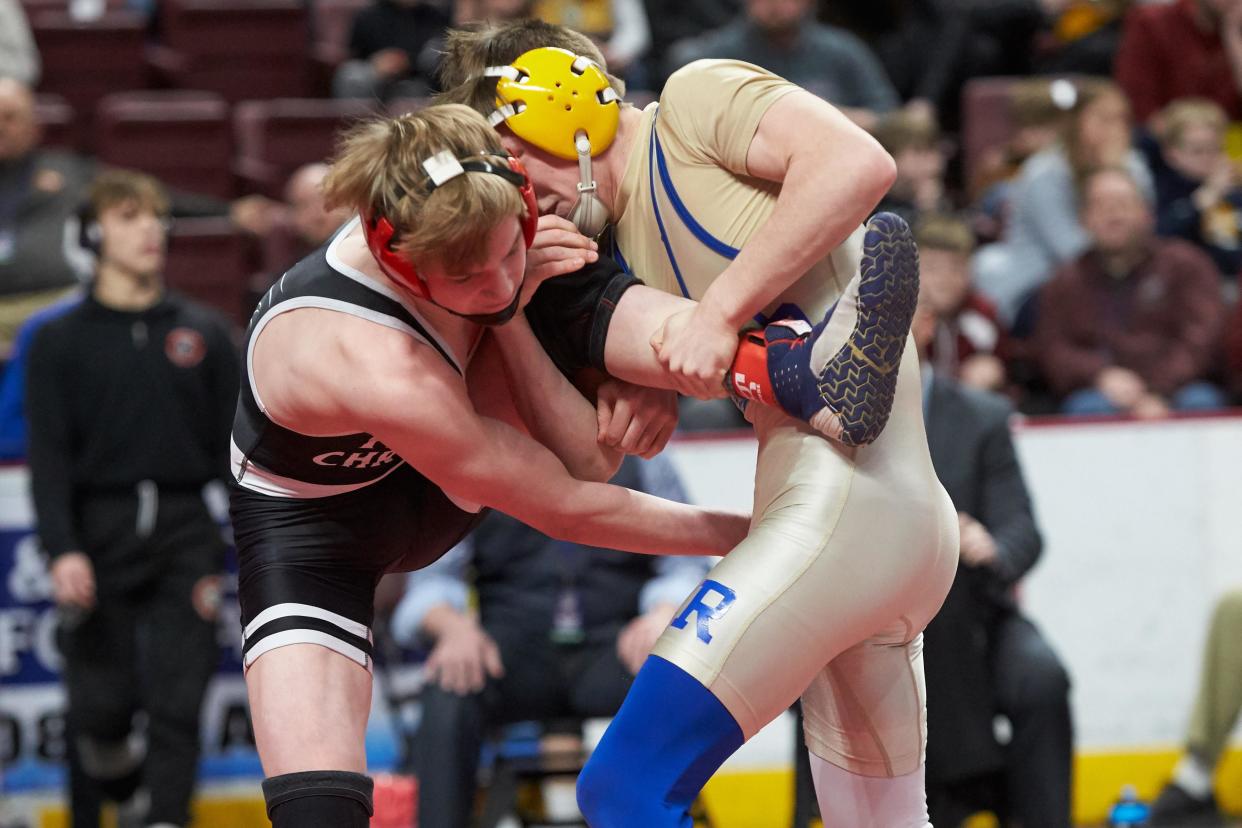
x=549, y=95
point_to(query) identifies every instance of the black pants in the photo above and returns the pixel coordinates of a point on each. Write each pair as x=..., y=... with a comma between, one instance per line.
x=1031, y=689
x=542, y=681
x=144, y=647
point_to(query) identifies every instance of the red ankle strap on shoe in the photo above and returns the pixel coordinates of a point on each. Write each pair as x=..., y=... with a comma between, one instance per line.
x=748, y=375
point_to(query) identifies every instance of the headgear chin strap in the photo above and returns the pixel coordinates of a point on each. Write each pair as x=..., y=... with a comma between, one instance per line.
x=563, y=104
x=381, y=236
x=588, y=214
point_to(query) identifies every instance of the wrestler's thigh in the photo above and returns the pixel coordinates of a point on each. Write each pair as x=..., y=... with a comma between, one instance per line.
x=831, y=560
x=310, y=706
x=628, y=354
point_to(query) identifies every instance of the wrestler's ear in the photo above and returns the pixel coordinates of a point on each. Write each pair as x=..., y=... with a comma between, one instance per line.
x=513, y=144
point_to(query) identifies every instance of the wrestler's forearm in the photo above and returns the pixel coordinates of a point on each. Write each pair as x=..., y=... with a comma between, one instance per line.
x=616, y=518
x=555, y=413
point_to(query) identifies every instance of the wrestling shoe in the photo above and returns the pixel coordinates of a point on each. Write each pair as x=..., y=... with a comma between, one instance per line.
x=841, y=375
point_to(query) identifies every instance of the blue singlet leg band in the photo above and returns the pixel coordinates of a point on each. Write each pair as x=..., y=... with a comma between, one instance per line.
x=669, y=737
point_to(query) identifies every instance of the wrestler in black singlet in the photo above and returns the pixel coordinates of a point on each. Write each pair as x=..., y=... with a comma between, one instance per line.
x=318, y=520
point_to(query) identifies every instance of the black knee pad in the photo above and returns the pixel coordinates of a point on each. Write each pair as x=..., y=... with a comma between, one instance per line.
x=319, y=799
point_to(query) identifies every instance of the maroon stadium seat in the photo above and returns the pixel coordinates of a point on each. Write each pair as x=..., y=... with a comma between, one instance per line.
x=85, y=61
x=208, y=260
x=334, y=20
x=58, y=122
x=183, y=138
x=276, y=137
x=238, y=48
x=986, y=119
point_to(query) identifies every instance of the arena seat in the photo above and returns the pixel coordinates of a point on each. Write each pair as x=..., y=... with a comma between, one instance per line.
x=208, y=260
x=276, y=137
x=237, y=48
x=986, y=119
x=83, y=61
x=333, y=20
x=183, y=138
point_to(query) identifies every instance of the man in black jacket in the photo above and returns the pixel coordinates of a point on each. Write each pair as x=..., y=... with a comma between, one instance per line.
x=129, y=399
x=983, y=658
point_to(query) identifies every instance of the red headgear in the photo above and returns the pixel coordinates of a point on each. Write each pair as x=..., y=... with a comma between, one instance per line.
x=380, y=233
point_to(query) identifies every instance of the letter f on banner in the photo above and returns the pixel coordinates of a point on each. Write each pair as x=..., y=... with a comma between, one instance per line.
x=704, y=611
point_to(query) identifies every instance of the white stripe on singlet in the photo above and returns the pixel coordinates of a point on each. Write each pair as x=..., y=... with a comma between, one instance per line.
x=284, y=639
x=308, y=611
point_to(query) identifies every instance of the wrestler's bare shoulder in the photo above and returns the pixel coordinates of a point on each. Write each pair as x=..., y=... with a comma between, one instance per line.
x=319, y=370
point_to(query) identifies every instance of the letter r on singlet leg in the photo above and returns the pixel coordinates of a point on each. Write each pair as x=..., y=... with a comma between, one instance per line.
x=704, y=611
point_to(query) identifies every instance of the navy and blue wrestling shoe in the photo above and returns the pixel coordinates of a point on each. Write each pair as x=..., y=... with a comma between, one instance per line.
x=841, y=375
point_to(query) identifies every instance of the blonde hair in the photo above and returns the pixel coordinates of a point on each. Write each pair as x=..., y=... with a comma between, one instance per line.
x=470, y=50
x=378, y=170
x=1184, y=113
x=941, y=231
x=116, y=187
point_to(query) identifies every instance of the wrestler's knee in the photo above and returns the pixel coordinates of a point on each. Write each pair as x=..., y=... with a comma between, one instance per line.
x=319, y=799
x=609, y=797
x=601, y=789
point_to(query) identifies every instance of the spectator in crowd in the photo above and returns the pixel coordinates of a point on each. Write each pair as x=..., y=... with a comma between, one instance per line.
x=983, y=656
x=618, y=27
x=309, y=217
x=1187, y=800
x=393, y=50
x=561, y=632
x=19, y=57
x=1083, y=36
x=914, y=141
x=1132, y=325
x=1198, y=197
x=680, y=19
x=1043, y=230
x=129, y=399
x=783, y=37
x=40, y=191
x=1181, y=49
x=968, y=342
x=928, y=48
x=1037, y=108
x=306, y=221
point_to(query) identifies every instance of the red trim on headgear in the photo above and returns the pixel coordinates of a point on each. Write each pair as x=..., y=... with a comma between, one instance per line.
x=379, y=234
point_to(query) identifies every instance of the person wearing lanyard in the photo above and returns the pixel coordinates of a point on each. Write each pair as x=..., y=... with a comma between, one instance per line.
x=560, y=632
x=743, y=192
x=129, y=397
